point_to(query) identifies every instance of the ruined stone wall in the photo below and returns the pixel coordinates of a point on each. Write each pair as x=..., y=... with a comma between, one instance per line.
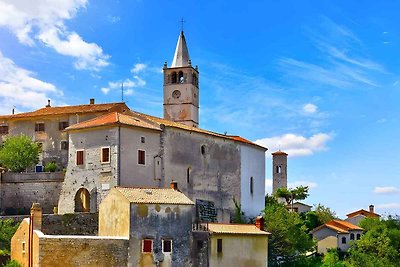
x=19, y=190
x=205, y=167
x=77, y=250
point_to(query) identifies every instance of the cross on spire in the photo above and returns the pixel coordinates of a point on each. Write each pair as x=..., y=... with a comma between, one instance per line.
x=182, y=21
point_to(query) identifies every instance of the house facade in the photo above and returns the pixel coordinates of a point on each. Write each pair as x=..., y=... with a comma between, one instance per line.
x=356, y=216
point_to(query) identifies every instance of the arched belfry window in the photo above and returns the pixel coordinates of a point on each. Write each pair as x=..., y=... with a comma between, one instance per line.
x=173, y=77
x=82, y=200
x=181, y=78
x=278, y=169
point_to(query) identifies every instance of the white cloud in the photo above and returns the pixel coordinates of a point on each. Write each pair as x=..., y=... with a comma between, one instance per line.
x=19, y=87
x=302, y=183
x=139, y=67
x=297, y=145
x=43, y=20
x=389, y=206
x=386, y=190
x=129, y=85
x=310, y=108
x=268, y=186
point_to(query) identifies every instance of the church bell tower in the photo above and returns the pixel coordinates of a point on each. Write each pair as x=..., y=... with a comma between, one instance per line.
x=181, y=87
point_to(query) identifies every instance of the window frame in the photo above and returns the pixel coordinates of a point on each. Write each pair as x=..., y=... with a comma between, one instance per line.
x=139, y=157
x=38, y=128
x=62, y=125
x=102, y=154
x=219, y=246
x=163, y=246
x=61, y=144
x=83, y=157
x=151, y=245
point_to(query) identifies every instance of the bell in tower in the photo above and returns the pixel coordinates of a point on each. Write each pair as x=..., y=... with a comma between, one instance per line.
x=181, y=87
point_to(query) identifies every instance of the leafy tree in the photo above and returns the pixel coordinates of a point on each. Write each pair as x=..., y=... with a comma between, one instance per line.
x=7, y=230
x=12, y=263
x=51, y=167
x=331, y=259
x=298, y=193
x=289, y=237
x=324, y=214
x=239, y=216
x=18, y=153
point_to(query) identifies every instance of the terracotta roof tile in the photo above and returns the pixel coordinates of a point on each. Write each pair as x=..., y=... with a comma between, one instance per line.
x=111, y=119
x=363, y=212
x=247, y=229
x=279, y=153
x=154, y=196
x=48, y=111
x=339, y=226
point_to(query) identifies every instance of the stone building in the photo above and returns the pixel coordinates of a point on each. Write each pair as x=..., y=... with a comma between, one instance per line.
x=279, y=170
x=143, y=227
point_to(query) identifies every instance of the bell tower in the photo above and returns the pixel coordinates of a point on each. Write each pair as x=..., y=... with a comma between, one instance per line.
x=181, y=87
x=279, y=170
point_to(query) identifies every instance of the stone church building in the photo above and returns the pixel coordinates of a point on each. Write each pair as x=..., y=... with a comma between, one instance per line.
x=116, y=146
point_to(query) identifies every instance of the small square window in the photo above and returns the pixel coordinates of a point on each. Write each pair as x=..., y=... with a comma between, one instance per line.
x=39, y=127
x=62, y=125
x=64, y=145
x=167, y=246
x=79, y=157
x=3, y=129
x=105, y=155
x=143, y=139
x=219, y=245
x=147, y=246
x=141, y=157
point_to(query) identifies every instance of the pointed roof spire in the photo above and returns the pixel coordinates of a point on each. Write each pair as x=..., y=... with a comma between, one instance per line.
x=181, y=57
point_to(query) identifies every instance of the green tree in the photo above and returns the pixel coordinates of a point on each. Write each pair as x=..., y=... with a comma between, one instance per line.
x=18, y=153
x=298, y=193
x=324, y=214
x=7, y=230
x=289, y=237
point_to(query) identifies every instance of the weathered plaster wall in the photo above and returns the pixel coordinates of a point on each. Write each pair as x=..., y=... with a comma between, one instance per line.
x=327, y=243
x=20, y=190
x=356, y=219
x=98, y=178
x=252, y=165
x=114, y=212
x=77, y=250
x=239, y=250
x=214, y=175
x=19, y=243
x=132, y=173
x=159, y=222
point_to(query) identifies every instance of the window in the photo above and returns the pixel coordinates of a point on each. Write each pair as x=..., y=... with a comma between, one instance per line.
x=188, y=175
x=3, y=129
x=203, y=149
x=79, y=157
x=23, y=247
x=251, y=185
x=147, y=246
x=64, y=145
x=219, y=245
x=343, y=240
x=173, y=77
x=39, y=127
x=167, y=246
x=358, y=236
x=141, y=157
x=278, y=169
x=143, y=139
x=105, y=155
x=62, y=125
x=351, y=236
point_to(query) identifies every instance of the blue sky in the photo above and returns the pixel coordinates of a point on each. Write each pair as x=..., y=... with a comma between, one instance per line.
x=319, y=79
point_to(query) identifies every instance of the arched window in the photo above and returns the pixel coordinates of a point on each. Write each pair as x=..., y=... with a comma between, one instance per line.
x=173, y=77
x=351, y=236
x=358, y=236
x=278, y=169
x=181, y=78
x=251, y=185
x=343, y=240
x=82, y=200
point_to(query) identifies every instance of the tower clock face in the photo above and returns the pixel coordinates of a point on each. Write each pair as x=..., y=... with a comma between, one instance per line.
x=176, y=94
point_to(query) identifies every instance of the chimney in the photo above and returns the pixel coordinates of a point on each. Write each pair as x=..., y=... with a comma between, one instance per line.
x=48, y=103
x=371, y=208
x=36, y=216
x=91, y=101
x=174, y=185
x=260, y=223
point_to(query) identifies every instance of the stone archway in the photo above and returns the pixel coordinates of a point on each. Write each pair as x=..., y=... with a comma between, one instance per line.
x=82, y=200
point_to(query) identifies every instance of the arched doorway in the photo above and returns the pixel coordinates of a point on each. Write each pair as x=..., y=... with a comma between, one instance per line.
x=82, y=200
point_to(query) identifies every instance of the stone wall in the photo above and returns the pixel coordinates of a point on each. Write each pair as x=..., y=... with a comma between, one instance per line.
x=19, y=190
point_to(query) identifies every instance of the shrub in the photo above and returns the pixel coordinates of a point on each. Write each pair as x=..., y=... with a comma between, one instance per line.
x=51, y=167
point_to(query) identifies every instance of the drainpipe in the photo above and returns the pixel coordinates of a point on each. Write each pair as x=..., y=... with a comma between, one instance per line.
x=35, y=223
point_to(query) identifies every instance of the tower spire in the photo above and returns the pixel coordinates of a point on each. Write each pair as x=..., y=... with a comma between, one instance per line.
x=181, y=56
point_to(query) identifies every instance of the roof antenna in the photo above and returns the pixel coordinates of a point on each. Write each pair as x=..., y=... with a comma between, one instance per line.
x=122, y=91
x=182, y=21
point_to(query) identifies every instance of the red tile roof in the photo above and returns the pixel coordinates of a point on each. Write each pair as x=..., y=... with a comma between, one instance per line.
x=279, y=153
x=49, y=111
x=339, y=226
x=363, y=212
